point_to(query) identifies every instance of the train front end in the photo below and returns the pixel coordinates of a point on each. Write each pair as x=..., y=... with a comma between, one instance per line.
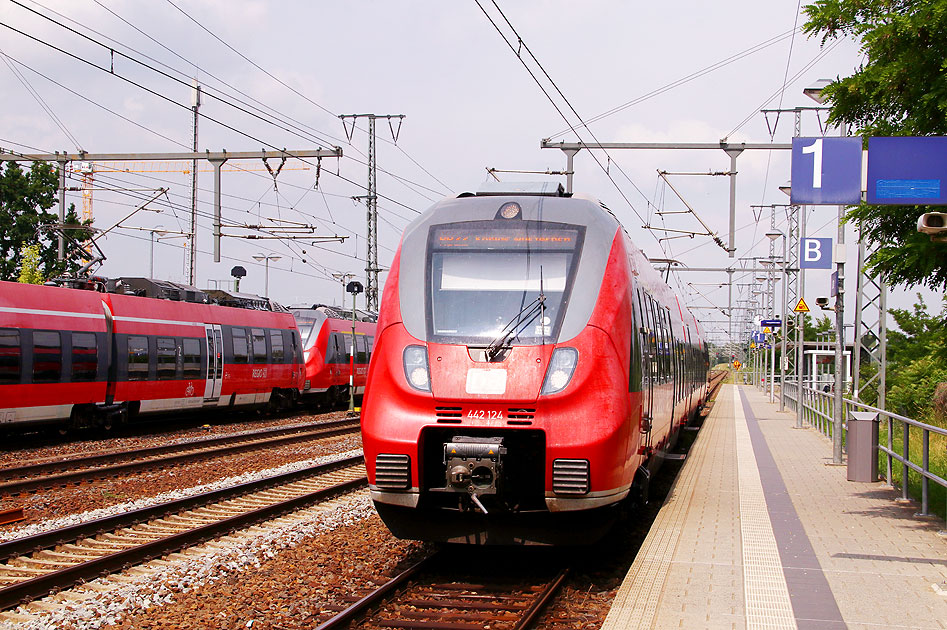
x=497, y=408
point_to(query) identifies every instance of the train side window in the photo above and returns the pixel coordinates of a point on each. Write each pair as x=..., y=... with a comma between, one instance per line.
x=85, y=357
x=192, y=358
x=371, y=347
x=297, y=355
x=361, y=345
x=10, y=355
x=167, y=358
x=137, y=358
x=634, y=354
x=258, y=336
x=240, y=349
x=47, y=356
x=276, y=344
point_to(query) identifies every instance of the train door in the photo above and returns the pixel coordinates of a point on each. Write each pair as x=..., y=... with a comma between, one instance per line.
x=215, y=362
x=649, y=368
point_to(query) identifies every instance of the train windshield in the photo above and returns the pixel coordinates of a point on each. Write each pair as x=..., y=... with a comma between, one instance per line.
x=486, y=277
x=309, y=322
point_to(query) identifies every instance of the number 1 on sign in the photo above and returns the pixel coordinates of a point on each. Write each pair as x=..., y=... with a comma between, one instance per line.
x=816, y=150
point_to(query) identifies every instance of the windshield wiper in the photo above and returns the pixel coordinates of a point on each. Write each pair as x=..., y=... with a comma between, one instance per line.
x=520, y=321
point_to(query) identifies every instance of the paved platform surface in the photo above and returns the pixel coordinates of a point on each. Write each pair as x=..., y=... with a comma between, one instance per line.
x=761, y=531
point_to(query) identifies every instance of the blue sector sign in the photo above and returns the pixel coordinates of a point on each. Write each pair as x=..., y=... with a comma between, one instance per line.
x=826, y=171
x=815, y=253
x=907, y=171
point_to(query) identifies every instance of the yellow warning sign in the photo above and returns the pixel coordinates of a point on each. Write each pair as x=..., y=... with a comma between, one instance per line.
x=752, y=345
x=767, y=330
x=801, y=307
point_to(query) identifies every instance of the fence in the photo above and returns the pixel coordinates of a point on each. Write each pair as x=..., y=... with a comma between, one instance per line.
x=817, y=412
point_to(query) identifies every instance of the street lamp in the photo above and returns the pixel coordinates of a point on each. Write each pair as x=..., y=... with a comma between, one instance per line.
x=266, y=274
x=815, y=92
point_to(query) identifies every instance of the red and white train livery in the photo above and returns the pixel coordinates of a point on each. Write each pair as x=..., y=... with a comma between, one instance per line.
x=531, y=371
x=331, y=368
x=76, y=357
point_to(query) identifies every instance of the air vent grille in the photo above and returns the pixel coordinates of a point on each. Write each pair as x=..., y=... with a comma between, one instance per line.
x=570, y=476
x=520, y=415
x=448, y=412
x=393, y=472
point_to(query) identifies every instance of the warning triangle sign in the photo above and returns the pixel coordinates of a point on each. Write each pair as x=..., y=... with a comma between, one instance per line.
x=801, y=307
x=767, y=330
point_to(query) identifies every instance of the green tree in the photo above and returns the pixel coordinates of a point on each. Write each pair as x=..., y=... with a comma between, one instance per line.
x=29, y=265
x=900, y=89
x=25, y=200
x=917, y=360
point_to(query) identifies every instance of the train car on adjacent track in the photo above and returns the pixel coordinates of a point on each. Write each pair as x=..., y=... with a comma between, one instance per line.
x=75, y=357
x=531, y=372
x=332, y=369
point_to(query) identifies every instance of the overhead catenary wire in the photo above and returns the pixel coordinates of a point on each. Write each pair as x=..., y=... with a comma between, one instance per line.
x=686, y=79
x=565, y=118
x=182, y=105
x=39, y=99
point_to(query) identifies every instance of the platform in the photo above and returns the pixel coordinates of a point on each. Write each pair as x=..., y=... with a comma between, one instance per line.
x=761, y=531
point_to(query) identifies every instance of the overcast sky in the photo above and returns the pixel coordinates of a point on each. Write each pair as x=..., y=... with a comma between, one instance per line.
x=678, y=70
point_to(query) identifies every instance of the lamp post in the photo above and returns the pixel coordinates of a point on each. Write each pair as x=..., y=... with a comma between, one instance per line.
x=815, y=92
x=266, y=258
x=354, y=287
x=785, y=313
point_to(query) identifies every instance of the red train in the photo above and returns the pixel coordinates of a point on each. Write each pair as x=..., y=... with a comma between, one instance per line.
x=76, y=358
x=326, y=332
x=531, y=372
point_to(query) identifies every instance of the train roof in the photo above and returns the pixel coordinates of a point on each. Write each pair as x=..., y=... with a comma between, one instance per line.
x=167, y=290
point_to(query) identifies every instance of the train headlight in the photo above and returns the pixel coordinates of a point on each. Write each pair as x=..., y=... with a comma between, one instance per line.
x=416, y=371
x=560, y=370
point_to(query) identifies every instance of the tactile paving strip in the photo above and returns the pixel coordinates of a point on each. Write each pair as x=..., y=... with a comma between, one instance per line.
x=767, y=597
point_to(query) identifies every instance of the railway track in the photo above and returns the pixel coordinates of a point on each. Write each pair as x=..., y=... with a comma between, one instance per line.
x=38, y=565
x=433, y=595
x=64, y=472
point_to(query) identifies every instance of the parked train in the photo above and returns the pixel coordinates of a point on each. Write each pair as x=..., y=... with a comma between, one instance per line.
x=531, y=372
x=104, y=354
x=326, y=333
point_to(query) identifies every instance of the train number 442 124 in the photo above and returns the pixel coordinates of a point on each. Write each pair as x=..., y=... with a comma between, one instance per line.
x=484, y=414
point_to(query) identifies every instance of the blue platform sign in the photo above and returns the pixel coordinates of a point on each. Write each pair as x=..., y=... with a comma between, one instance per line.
x=826, y=171
x=815, y=253
x=907, y=171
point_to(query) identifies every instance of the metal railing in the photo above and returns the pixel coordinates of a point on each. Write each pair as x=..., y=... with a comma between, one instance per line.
x=817, y=413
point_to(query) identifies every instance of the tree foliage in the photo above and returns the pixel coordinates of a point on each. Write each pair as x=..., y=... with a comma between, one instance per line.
x=917, y=360
x=29, y=265
x=899, y=90
x=25, y=200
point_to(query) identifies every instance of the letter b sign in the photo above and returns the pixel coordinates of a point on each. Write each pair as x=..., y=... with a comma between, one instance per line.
x=815, y=253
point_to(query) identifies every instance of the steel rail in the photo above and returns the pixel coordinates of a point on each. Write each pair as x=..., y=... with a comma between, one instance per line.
x=69, y=576
x=90, y=460
x=360, y=607
x=538, y=606
x=21, y=546
x=23, y=485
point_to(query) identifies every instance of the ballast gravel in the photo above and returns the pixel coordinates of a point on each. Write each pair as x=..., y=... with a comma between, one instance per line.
x=128, y=506
x=114, y=493
x=290, y=573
